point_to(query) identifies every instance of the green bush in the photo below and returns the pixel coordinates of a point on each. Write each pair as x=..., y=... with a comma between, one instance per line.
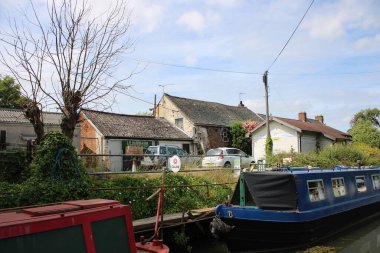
x=14, y=166
x=178, y=199
x=56, y=175
x=56, y=159
x=346, y=155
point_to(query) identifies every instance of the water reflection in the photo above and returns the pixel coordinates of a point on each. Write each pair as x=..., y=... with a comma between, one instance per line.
x=363, y=239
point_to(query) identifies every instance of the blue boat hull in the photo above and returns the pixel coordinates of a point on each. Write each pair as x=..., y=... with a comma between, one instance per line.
x=269, y=236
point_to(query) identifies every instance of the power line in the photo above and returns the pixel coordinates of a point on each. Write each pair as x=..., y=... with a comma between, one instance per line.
x=291, y=36
x=142, y=100
x=197, y=68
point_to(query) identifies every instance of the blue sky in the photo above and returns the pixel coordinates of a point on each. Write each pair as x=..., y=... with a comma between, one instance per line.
x=330, y=67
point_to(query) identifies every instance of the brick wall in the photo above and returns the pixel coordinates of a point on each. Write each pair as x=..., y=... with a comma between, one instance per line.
x=88, y=137
x=215, y=138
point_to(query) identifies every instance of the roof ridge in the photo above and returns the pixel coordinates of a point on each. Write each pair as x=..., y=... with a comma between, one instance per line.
x=118, y=114
x=21, y=111
x=209, y=102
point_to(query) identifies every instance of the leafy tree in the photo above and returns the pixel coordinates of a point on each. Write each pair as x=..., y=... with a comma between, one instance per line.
x=365, y=132
x=371, y=115
x=10, y=95
x=238, y=139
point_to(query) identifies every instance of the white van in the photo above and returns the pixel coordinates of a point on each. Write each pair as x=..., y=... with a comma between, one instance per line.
x=156, y=156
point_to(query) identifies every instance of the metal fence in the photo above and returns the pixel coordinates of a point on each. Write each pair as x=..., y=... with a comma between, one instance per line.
x=143, y=163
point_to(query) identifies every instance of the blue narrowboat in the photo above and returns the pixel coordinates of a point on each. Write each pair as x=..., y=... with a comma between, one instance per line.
x=293, y=208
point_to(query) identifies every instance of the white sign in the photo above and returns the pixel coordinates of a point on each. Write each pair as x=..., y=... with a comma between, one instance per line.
x=174, y=163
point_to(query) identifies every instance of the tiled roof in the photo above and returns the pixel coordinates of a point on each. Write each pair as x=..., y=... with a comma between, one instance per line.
x=315, y=126
x=133, y=126
x=211, y=113
x=16, y=116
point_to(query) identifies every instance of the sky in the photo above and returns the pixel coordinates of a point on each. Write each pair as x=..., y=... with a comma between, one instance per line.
x=330, y=67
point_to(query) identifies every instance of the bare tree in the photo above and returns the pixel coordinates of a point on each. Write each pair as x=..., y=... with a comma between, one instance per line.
x=81, y=51
x=25, y=61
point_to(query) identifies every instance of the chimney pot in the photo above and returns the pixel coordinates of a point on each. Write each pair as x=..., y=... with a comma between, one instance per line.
x=319, y=118
x=302, y=116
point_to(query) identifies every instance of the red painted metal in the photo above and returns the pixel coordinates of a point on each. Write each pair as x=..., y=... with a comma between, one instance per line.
x=61, y=208
x=91, y=203
x=156, y=246
x=71, y=213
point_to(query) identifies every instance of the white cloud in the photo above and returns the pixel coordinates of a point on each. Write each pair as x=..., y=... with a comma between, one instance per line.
x=193, y=20
x=335, y=19
x=326, y=27
x=225, y=3
x=368, y=43
x=146, y=16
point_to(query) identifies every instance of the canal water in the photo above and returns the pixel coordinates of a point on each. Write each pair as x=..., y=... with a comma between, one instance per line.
x=363, y=239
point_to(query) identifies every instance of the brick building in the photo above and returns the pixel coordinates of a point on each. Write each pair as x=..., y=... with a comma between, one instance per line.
x=207, y=123
x=117, y=134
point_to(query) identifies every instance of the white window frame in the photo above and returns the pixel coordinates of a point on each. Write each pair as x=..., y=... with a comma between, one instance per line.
x=356, y=183
x=375, y=186
x=318, y=193
x=340, y=190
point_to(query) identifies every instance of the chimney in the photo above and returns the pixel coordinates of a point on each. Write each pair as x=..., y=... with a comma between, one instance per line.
x=241, y=104
x=302, y=116
x=319, y=118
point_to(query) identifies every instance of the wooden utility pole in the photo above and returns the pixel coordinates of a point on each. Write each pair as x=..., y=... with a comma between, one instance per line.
x=268, y=141
x=265, y=80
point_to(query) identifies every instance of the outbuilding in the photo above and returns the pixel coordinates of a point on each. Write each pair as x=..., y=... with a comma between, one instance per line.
x=113, y=135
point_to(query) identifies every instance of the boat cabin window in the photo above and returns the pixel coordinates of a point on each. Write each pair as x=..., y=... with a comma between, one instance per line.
x=316, y=190
x=360, y=183
x=376, y=181
x=338, y=186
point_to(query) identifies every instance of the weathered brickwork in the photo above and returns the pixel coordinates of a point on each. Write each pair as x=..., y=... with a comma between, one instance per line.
x=88, y=140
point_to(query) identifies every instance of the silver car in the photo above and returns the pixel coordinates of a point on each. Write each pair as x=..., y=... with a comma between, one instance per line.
x=227, y=158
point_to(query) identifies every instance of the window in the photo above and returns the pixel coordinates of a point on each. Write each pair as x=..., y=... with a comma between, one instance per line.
x=172, y=151
x=186, y=148
x=360, y=183
x=212, y=152
x=181, y=152
x=224, y=134
x=179, y=122
x=3, y=139
x=316, y=190
x=151, y=150
x=162, y=150
x=376, y=181
x=233, y=151
x=338, y=186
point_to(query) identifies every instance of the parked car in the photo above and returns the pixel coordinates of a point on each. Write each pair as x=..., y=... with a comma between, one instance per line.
x=225, y=157
x=156, y=156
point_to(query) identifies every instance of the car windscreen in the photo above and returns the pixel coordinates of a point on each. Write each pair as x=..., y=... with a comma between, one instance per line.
x=151, y=151
x=214, y=152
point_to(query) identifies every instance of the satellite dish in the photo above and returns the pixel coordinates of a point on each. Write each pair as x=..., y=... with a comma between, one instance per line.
x=174, y=163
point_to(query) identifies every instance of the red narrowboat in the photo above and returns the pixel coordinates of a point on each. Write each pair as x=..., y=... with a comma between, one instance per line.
x=81, y=226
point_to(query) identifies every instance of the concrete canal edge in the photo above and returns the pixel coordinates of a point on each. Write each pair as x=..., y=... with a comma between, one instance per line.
x=175, y=220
